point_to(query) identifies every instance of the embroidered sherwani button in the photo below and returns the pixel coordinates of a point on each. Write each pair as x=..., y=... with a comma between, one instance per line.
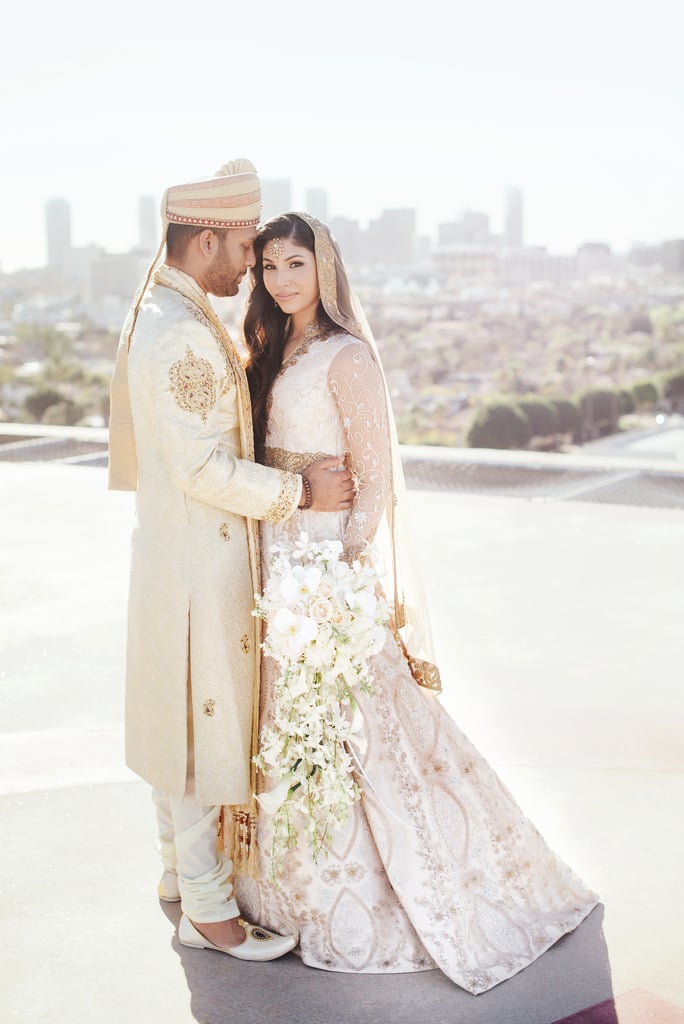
x=224, y=531
x=245, y=643
x=209, y=707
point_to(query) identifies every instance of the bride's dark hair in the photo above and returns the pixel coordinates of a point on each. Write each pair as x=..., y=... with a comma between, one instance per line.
x=266, y=326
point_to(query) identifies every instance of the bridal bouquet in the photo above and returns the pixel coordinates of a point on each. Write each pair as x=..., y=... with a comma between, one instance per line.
x=324, y=621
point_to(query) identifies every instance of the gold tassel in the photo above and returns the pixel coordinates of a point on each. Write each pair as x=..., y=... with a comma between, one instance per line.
x=237, y=838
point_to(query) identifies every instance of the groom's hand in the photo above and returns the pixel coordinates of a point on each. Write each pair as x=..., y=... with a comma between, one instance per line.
x=332, y=485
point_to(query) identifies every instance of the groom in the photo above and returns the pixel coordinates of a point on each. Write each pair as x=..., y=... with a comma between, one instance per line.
x=181, y=436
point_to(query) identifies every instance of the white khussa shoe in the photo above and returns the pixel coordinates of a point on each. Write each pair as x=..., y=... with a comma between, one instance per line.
x=168, y=890
x=260, y=944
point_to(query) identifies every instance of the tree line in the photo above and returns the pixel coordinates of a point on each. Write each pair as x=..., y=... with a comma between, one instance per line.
x=547, y=422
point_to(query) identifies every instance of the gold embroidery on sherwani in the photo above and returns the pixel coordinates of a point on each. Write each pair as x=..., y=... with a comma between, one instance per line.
x=282, y=506
x=224, y=531
x=193, y=384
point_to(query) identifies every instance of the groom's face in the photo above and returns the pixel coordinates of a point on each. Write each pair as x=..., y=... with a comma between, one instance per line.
x=233, y=259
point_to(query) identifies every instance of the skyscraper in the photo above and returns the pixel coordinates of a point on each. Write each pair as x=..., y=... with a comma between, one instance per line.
x=58, y=226
x=148, y=224
x=513, y=221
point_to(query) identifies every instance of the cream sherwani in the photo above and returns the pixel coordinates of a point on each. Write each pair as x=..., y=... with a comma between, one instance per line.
x=194, y=553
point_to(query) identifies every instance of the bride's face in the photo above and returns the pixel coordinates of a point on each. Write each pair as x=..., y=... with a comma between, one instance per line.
x=291, y=278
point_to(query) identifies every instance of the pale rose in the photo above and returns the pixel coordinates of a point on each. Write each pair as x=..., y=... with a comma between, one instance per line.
x=340, y=618
x=327, y=585
x=321, y=610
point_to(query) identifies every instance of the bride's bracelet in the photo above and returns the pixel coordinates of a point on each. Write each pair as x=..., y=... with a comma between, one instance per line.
x=308, y=495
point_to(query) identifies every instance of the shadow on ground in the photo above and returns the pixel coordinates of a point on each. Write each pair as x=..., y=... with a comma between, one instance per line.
x=573, y=974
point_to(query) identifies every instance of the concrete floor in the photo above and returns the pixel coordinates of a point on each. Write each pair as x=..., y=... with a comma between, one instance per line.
x=559, y=630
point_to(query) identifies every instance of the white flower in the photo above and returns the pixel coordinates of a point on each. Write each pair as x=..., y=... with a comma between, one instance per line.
x=320, y=610
x=301, y=583
x=297, y=684
x=327, y=585
x=340, y=617
x=274, y=799
x=363, y=601
x=293, y=631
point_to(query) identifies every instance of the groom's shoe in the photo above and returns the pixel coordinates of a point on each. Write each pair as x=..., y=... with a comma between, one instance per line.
x=167, y=889
x=260, y=944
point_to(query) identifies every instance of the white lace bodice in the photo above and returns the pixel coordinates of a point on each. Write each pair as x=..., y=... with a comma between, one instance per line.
x=329, y=398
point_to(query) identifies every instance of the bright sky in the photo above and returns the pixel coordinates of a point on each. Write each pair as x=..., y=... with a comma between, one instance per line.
x=433, y=104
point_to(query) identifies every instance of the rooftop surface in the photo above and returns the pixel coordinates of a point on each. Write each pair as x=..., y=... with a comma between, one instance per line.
x=559, y=632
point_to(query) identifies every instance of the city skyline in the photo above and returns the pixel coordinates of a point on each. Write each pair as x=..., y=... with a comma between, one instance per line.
x=471, y=227
x=438, y=112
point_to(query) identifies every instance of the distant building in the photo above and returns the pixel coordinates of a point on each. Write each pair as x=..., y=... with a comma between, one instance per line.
x=471, y=229
x=461, y=263
x=391, y=238
x=316, y=203
x=595, y=258
x=513, y=218
x=117, y=274
x=534, y=264
x=276, y=197
x=673, y=256
x=58, y=226
x=643, y=255
x=148, y=224
x=350, y=238
x=81, y=265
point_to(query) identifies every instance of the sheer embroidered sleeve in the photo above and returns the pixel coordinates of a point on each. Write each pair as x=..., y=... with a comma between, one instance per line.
x=356, y=384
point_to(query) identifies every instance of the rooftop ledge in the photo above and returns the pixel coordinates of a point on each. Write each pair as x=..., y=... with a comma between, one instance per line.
x=610, y=471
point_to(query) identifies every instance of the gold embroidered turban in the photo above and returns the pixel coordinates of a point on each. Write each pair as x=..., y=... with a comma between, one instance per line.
x=231, y=199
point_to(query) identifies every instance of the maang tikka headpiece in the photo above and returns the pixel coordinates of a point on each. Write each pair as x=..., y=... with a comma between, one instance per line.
x=275, y=249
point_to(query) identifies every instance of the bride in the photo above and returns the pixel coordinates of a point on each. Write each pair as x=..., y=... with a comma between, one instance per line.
x=436, y=866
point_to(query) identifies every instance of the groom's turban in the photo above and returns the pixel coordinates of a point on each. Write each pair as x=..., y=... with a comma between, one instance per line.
x=231, y=199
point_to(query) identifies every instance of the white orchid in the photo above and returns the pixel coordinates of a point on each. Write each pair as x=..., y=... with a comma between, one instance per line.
x=293, y=631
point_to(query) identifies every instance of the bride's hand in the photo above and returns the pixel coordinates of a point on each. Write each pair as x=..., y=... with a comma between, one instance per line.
x=332, y=485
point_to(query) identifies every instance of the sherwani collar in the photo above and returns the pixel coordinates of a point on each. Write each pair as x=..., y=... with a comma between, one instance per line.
x=187, y=286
